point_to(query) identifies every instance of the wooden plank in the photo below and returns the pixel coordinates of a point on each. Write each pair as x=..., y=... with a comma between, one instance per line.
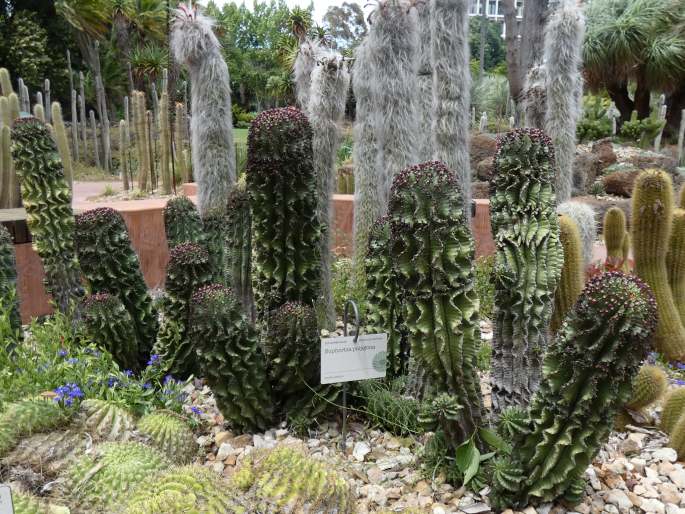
x=15, y=221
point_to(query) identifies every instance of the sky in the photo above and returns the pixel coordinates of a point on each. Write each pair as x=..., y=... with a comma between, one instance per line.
x=320, y=6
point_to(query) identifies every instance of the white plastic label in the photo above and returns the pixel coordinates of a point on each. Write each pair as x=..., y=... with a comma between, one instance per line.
x=343, y=360
x=6, y=506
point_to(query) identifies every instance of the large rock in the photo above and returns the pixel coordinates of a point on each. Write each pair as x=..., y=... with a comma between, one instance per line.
x=482, y=146
x=590, y=162
x=602, y=205
x=485, y=168
x=620, y=183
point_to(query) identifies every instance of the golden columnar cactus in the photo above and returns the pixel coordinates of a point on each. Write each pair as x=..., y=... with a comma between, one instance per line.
x=649, y=386
x=651, y=231
x=673, y=408
x=572, y=273
x=614, y=234
x=675, y=262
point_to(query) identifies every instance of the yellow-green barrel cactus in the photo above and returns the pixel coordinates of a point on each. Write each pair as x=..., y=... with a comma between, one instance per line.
x=677, y=437
x=588, y=375
x=433, y=252
x=673, y=408
x=47, y=200
x=293, y=482
x=182, y=223
x=383, y=303
x=528, y=262
x=8, y=280
x=652, y=221
x=171, y=434
x=675, y=261
x=572, y=277
x=614, y=232
x=292, y=345
x=28, y=504
x=648, y=387
x=101, y=480
x=104, y=420
x=238, y=242
x=110, y=264
x=286, y=230
x=25, y=417
x=231, y=358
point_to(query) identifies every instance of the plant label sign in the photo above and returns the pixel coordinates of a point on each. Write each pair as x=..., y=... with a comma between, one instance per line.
x=6, y=506
x=343, y=360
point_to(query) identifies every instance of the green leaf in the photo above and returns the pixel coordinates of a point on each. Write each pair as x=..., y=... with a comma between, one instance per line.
x=487, y=456
x=492, y=439
x=468, y=460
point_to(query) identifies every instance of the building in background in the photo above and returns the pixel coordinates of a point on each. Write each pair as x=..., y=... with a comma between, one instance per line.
x=494, y=10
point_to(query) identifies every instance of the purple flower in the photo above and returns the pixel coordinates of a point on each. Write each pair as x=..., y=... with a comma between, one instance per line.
x=62, y=353
x=73, y=360
x=168, y=379
x=68, y=393
x=147, y=385
x=195, y=410
x=112, y=381
x=154, y=359
x=679, y=382
x=128, y=372
x=680, y=365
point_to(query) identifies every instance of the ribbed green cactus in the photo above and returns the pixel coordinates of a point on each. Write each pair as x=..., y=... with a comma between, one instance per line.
x=62, y=142
x=588, y=374
x=110, y=264
x=672, y=409
x=47, y=199
x=614, y=233
x=572, y=277
x=99, y=481
x=231, y=357
x=677, y=439
x=293, y=482
x=190, y=489
x=652, y=223
x=8, y=279
x=188, y=270
x=170, y=434
x=286, y=231
x=105, y=421
x=238, y=244
x=528, y=262
x=648, y=387
x=110, y=326
x=384, y=304
x=214, y=224
x=675, y=262
x=433, y=251
x=182, y=222
x=28, y=504
x=165, y=144
x=24, y=417
x=294, y=361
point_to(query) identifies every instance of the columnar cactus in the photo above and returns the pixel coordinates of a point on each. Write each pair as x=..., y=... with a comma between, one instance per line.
x=305, y=62
x=179, y=141
x=124, y=168
x=614, y=233
x=110, y=264
x=165, y=145
x=294, y=362
x=528, y=262
x=677, y=439
x=213, y=226
x=62, y=141
x=8, y=280
x=648, y=387
x=572, y=277
x=188, y=270
x=383, y=299
x=424, y=100
x=182, y=222
x=440, y=308
x=24, y=417
x=238, y=244
x=170, y=434
x=232, y=359
x=672, y=409
x=675, y=262
x=652, y=222
x=588, y=375
x=47, y=199
x=5, y=82
x=142, y=140
x=195, y=46
x=110, y=325
x=10, y=197
x=286, y=230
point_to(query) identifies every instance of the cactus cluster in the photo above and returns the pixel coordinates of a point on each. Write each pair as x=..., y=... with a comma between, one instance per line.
x=286, y=230
x=8, y=279
x=25, y=417
x=110, y=264
x=588, y=375
x=572, y=276
x=171, y=434
x=433, y=252
x=47, y=200
x=232, y=359
x=528, y=262
x=182, y=222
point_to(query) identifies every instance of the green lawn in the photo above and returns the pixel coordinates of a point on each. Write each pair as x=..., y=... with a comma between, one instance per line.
x=240, y=135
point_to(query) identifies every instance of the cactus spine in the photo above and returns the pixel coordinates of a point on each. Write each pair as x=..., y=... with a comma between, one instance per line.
x=572, y=277
x=675, y=261
x=648, y=387
x=588, y=375
x=232, y=359
x=8, y=280
x=564, y=86
x=286, y=230
x=111, y=265
x=526, y=230
x=433, y=252
x=672, y=409
x=614, y=233
x=238, y=242
x=165, y=143
x=47, y=199
x=62, y=142
x=652, y=221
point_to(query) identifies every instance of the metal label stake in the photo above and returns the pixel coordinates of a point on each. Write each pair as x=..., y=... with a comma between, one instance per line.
x=357, y=322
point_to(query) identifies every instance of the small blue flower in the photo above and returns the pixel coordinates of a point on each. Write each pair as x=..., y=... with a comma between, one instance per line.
x=147, y=385
x=73, y=360
x=154, y=359
x=112, y=381
x=68, y=393
x=128, y=372
x=62, y=353
x=679, y=382
x=195, y=410
x=168, y=379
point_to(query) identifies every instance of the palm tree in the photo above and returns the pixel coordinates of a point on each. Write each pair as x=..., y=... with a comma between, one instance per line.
x=640, y=41
x=300, y=22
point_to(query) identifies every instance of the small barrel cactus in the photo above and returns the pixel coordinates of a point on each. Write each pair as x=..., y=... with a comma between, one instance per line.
x=384, y=306
x=171, y=434
x=231, y=358
x=675, y=262
x=648, y=387
x=110, y=264
x=614, y=234
x=8, y=280
x=25, y=503
x=673, y=408
x=286, y=230
x=24, y=417
x=588, y=375
x=109, y=325
x=238, y=243
x=652, y=223
x=105, y=421
x=572, y=277
x=182, y=222
x=433, y=252
x=47, y=200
